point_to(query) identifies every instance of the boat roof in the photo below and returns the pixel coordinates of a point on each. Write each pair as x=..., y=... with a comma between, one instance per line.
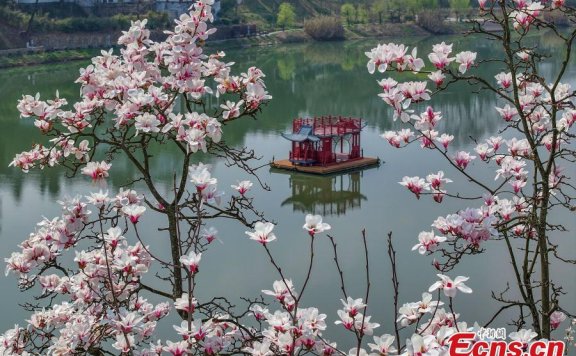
x=304, y=134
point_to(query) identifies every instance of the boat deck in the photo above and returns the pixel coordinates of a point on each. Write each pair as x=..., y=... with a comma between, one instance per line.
x=328, y=169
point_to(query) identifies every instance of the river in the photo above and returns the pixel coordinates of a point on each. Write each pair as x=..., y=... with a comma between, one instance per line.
x=305, y=79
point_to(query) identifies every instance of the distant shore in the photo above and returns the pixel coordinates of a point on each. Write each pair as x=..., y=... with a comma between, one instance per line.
x=38, y=57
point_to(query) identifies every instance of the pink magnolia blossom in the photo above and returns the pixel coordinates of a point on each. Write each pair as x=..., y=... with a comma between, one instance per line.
x=314, y=224
x=556, y=319
x=415, y=184
x=147, y=123
x=523, y=336
x=262, y=232
x=440, y=60
x=462, y=159
x=210, y=234
x=133, y=212
x=483, y=150
x=96, y=170
x=352, y=306
x=393, y=138
x=243, y=186
x=437, y=180
x=428, y=242
x=231, y=109
x=466, y=60
x=445, y=140
x=449, y=286
x=437, y=77
x=201, y=177
x=191, y=261
x=525, y=55
x=184, y=303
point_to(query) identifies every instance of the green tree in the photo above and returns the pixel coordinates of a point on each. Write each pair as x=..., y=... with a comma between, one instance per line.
x=459, y=6
x=379, y=8
x=286, y=16
x=361, y=14
x=348, y=12
x=413, y=7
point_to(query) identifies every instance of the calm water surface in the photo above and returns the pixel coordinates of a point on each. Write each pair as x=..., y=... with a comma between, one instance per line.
x=309, y=79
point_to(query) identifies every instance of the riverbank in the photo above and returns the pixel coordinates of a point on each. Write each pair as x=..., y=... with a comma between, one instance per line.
x=269, y=39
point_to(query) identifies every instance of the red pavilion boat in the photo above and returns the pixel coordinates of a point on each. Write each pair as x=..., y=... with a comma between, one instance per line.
x=326, y=144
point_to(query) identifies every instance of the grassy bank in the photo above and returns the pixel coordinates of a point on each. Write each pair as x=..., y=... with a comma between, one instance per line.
x=46, y=57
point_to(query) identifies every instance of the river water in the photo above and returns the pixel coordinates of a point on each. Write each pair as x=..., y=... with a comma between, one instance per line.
x=305, y=80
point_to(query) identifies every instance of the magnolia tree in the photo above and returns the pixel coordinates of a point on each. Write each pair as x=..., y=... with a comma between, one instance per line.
x=99, y=304
x=529, y=157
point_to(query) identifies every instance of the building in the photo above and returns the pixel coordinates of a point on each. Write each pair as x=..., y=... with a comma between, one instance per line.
x=325, y=140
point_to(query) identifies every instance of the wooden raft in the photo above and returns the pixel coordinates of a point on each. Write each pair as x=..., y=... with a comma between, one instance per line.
x=328, y=169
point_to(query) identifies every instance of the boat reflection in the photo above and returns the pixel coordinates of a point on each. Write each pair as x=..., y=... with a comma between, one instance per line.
x=325, y=195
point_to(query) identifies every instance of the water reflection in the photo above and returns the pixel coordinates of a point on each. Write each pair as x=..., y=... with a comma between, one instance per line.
x=317, y=79
x=325, y=195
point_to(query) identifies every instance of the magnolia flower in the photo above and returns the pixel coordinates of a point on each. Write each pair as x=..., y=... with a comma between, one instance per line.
x=463, y=158
x=124, y=342
x=466, y=59
x=96, y=170
x=201, y=177
x=98, y=199
x=483, y=150
x=314, y=224
x=345, y=319
x=183, y=303
x=450, y=287
x=176, y=348
x=133, y=212
x=383, y=345
x=259, y=349
x=437, y=180
x=426, y=305
x=364, y=325
x=428, y=242
x=387, y=83
x=437, y=77
x=209, y=234
x=445, y=140
x=415, y=184
x=524, y=336
x=260, y=312
x=243, y=186
x=281, y=290
x=191, y=261
x=231, y=109
x=352, y=306
x=262, y=232
x=255, y=95
x=393, y=138
x=418, y=345
x=440, y=60
x=556, y=319
x=147, y=123
x=504, y=79
x=408, y=314
x=442, y=48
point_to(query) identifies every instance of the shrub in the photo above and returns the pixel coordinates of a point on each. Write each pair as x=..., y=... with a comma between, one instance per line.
x=433, y=21
x=292, y=37
x=324, y=28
